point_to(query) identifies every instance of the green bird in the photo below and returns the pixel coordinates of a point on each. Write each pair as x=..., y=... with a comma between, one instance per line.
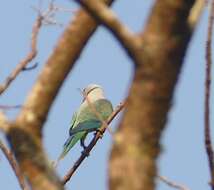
x=95, y=109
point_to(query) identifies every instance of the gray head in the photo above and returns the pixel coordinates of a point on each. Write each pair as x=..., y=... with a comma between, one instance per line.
x=90, y=88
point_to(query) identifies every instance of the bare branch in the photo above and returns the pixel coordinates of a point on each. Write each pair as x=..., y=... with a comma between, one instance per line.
x=93, y=142
x=196, y=12
x=46, y=17
x=30, y=56
x=131, y=43
x=14, y=166
x=208, y=141
x=172, y=183
x=49, y=15
x=4, y=126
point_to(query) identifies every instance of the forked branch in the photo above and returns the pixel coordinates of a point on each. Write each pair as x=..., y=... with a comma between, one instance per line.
x=101, y=13
x=42, y=18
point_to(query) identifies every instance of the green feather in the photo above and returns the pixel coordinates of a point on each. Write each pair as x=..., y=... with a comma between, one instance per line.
x=70, y=142
x=86, y=126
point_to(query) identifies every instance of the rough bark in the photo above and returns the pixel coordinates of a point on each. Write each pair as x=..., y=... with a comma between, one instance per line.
x=137, y=146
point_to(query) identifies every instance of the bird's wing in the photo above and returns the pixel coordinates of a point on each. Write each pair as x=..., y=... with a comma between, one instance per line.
x=87, y=126
x=88, y=120
x=74, y=117
x=104, y=108
x=70, y=142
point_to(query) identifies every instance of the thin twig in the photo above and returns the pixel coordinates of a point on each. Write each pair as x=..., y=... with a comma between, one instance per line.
x=30, y=56
x=29, y=68
x=172, y=183
x=45, y=17
x=50, y=14
x=9, y=107
x=93, y=142
x=208, y=141
x=14, y=165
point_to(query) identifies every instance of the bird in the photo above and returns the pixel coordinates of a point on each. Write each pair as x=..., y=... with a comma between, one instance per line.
x=93, y=111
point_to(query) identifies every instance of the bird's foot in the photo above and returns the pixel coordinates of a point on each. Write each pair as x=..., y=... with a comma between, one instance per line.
x=82, y=143
x=99, y=132
x=85, y=152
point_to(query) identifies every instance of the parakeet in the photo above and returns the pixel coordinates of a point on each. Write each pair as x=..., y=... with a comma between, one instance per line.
x=94, y=109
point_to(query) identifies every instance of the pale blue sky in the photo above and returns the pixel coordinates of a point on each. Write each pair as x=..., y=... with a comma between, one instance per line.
x=104, y=62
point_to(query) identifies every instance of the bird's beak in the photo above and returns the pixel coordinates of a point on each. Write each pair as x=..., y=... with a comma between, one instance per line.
x=81, y=92
x=83, y=100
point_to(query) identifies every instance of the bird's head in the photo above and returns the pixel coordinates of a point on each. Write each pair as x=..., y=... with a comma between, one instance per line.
x=93, y=91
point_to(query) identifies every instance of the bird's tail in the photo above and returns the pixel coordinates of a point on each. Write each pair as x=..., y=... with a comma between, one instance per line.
x=70, y=142
x=66, y=147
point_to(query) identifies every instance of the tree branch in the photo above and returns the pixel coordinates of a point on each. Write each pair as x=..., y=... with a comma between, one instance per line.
x=131, y=43
x=14, y=166
x=207, y=135
x=9, y=107
x=30, y=56
x=165, y=40
x=195, y=13
x=93, y=142
x=29, y=68
x=4, y=126
x=42, y=18
x=172, y=183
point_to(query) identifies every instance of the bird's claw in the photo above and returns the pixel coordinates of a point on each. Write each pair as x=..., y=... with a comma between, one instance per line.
x=99, y=132
x=85, y=153
x=82, y=144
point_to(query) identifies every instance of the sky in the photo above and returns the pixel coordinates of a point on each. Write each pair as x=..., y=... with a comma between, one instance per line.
x=104, y=62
